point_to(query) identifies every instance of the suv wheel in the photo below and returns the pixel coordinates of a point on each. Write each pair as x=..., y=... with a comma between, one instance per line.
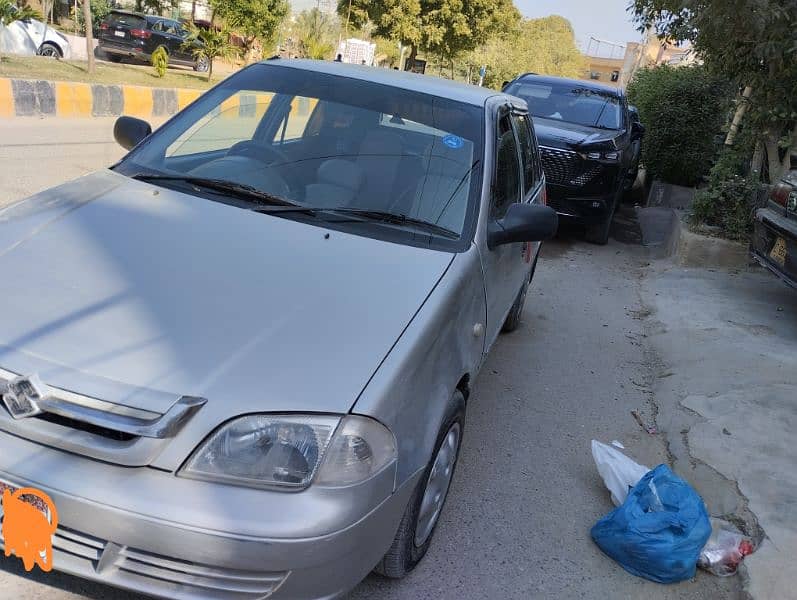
x=420, y=518
x=202, y=65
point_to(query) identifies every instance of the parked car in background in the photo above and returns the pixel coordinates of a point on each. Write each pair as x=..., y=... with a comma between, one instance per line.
x=589, y=144
x=774, y=243
x=246, y=375
x=130, y=35
x=31, y=36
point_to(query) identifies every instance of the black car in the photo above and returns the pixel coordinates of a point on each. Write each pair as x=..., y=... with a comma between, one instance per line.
x=133, y=35
x=774, y=243
x=589, y=142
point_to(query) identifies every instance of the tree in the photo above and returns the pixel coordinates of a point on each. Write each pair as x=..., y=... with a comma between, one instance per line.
x=215, y=44
x=545, y=46
x=316, y=32
x=751, y=43
x=89, y=36
x=397, y=20
x=451, y=27
x=254, y=19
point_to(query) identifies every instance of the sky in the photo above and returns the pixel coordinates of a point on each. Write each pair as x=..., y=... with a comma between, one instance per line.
x=603, y=19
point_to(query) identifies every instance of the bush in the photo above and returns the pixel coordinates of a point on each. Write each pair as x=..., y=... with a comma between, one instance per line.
x=683, y=110
x=730, y=197
x=160, y=61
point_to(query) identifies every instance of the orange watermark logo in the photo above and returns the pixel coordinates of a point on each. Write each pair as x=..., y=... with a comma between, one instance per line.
x=27, y=530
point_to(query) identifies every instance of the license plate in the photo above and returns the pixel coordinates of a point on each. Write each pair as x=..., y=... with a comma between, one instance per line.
x=119, y=33
x=34, y=501
x=778, y=252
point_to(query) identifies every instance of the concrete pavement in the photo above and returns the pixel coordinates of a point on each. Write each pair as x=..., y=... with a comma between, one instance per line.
x=596, y=342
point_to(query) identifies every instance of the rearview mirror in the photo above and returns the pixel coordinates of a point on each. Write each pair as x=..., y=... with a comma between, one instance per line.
x=129, y=131
x=637, y=130
x=523, y=223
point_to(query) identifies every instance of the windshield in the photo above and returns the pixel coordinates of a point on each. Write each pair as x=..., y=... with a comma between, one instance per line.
x=326, y=142
x=570, y=103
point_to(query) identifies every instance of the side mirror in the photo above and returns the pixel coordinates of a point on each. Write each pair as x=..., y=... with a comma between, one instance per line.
x=637, y=130
x=523, y=223
x=129, y=131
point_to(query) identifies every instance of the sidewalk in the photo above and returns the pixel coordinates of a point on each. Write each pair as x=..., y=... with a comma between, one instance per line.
x=726, y=390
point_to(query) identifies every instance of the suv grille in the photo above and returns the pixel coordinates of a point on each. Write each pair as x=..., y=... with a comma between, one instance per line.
x=565, y=167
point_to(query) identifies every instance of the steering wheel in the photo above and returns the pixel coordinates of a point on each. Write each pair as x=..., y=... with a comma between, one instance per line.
x=265, y=153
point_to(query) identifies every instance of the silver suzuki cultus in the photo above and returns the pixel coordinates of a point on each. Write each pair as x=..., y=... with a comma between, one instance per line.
x=238, y=361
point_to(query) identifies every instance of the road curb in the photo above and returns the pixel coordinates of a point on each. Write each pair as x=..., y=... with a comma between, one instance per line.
x=39, y=98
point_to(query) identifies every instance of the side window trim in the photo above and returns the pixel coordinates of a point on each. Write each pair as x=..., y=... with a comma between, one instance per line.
x=535, y=188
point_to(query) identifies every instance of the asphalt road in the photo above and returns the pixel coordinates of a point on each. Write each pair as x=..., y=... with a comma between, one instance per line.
x=526, y=492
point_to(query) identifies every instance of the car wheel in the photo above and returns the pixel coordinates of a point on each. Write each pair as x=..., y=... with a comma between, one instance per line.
x=202, y=65
x=421, y=516
x=50, y=50
x=513, y=318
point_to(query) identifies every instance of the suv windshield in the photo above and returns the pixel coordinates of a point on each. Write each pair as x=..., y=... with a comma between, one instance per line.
x=326, y=142
x=569, y=102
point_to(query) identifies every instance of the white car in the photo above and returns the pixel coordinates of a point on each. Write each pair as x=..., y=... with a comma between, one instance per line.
x=30, y=36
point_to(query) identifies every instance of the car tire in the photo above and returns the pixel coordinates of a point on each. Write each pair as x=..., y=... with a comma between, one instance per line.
x=410, y=544
x=512, y=320
x=202, y=65
x=599, y=232
x=50, y=50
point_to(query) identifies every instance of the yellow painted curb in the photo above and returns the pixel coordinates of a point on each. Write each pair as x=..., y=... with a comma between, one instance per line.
x=73, y=99
x=137, y=101
x=186, y=97
x=6, y=98
x=229, y=108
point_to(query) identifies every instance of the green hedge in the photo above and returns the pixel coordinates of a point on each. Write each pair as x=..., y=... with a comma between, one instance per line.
x=683, y=110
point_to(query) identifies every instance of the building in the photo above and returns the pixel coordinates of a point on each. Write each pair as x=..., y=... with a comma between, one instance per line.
x=358, y=52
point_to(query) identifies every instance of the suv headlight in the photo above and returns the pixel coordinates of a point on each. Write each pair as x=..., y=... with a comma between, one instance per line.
x=608, y=156
x=288, y=451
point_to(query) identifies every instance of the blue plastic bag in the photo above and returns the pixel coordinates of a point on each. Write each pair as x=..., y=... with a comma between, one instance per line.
x=660, y=529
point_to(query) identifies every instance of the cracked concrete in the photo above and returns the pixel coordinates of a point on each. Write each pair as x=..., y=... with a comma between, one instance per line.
x=726, y=395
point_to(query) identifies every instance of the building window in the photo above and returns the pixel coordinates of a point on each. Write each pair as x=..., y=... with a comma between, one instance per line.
x=594, y=75
x=615, y=75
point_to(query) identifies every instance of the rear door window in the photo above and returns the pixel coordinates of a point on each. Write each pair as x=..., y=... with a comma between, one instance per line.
x=525, y=138
x=125, y=20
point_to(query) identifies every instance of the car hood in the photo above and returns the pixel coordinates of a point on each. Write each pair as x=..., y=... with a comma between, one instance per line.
x=571, y=136
x=137, y=295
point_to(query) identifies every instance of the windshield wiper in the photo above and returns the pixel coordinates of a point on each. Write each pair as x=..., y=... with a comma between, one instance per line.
x=383, y=216
x=239, y=190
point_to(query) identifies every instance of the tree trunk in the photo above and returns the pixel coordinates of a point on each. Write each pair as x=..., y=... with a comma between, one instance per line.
x=758, y=160
x=210, y=68
x=776, y=166
x=738, y=115
x=193, y=10
x=89, y=35
x=410, y=62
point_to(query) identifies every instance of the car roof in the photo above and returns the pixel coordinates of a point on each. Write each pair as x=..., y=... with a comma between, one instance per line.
x=426, y=84
x=579, y=82
x=133, y=13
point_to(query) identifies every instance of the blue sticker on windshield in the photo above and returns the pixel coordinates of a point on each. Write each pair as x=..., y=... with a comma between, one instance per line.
x=453, y=141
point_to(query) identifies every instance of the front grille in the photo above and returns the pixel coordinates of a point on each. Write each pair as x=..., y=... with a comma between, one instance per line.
x=177, y=578
x=191, y=575
x=565, y=167
x=111, y=434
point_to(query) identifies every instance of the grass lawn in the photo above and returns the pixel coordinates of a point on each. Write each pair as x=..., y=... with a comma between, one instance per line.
x=39, y=67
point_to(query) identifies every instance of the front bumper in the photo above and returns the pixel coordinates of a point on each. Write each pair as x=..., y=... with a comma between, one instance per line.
x=117, y=526
x=769, y=226
x=574, y=204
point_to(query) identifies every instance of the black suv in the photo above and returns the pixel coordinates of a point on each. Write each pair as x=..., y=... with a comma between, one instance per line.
x=133, y=35
x=589, y=141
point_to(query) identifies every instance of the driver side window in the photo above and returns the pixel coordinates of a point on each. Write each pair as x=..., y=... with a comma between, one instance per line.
x=234, y=120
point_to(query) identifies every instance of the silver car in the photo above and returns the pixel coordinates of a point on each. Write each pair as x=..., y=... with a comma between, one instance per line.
x=239, y=360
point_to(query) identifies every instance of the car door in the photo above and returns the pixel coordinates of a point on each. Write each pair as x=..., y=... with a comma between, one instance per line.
x=506, y=267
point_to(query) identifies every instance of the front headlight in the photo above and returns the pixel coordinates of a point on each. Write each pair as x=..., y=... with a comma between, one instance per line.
x=287, y=451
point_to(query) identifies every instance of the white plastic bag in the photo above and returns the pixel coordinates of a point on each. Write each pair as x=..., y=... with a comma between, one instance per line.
x=619, y=472
x=725, y=549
